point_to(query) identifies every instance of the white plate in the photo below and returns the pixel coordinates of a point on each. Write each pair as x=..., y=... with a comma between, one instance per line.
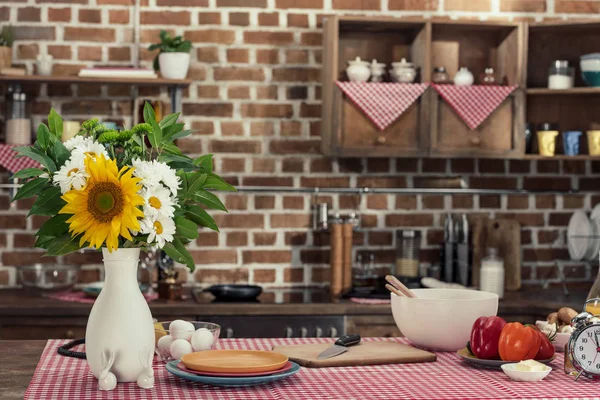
x=578, y=234
x=594, y=246
x=595, y=212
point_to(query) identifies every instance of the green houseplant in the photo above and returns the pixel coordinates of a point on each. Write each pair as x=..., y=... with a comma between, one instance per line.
x=173, y=58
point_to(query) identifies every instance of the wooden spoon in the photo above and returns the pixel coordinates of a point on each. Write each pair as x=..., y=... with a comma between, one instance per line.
x=400, y=286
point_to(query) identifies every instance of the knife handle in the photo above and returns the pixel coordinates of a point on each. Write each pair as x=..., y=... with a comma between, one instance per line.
x=348, y=340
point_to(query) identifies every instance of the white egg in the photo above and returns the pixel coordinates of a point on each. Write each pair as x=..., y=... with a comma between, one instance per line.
x=181, y=329
x=164, y=343
x=202, y=339
x=180, y=347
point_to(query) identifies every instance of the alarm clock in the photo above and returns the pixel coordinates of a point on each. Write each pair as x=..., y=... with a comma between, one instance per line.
x=583, y=346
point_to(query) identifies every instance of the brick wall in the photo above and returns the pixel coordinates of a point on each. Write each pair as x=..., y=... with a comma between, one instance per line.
x=255, y=104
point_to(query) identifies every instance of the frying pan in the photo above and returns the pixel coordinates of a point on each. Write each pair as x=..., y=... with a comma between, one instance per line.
x=234, y=292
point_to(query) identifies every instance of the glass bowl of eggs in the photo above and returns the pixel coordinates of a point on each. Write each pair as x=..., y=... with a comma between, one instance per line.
x=177, y=338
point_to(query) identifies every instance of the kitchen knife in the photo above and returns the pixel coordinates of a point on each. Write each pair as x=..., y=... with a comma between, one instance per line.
x=340, y=346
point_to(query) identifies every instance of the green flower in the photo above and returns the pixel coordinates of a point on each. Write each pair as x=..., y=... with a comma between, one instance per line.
x=124, y=136
x=90, y=124
x=142, y=129
x=109, y=137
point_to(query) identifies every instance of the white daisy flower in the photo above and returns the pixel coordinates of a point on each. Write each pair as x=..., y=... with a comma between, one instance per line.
x=72, y=174
x=158, y=201
x=75, y=141
x=154, y=172
x=89, y=147
x=158, y=229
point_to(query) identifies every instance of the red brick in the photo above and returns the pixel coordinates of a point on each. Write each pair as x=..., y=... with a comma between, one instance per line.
x=267, y=110
x=467, y=5
x=295, y=56
x=356, y=4
x=577, y=7
x=236, y=202
x=263, y=275
x=267, y=256
x=554, y=183
x=267, y=56
x=545, y=201
x=118, y=16
x=22, y=240
x=270, y=38
x=290, y=128
x=178, y=18
x=487, y=166
x=295, y=238
x=27, y=51
x=264, y=238
x=268, y=181
x=292, y=165
x=33, y=32
x=574, y=167
x=266, y=93
x=4, y=16
x=239, y=221
x=548, y=166
x=414, y=219
x=208, y=239
x=297, y=20
x=324, y=182
x=545, y=254
x=232, y=164
x=264, y=165
x=112, y=2
x=435, y=236
x=238, y=74
x=12, y=222
x=573, y=201
x=221, y=36
x=523, y=5
x=299, y=3
x=290, y=220
x=377, y=201
x=209, y=18
x=183, y=3
x=407, y=165
x=433, y=202
x=237, y=239
x=268, y=19
x=434, y=164
x=293, y=275
x=90, y=16
x=264, y=202
x=293, y=202
x=229, y=275
x=404, y=202
x=262, y=128
x=17, y=259
x=232, y=128
x=207, y=54
x=240, y=56
x=29, y=14
x=105, y=35
x=190, y=145
x=525, y=219
x=119, y=54
x=214, y=256
x=487, y=182
x=519, y=166
x=381, y=182
x=237, y=146
x=208, y=109
x=559, y=219
x=548, y=236
x=239, y=18
x=462, y=201
x=242, y=3
x=380, y=238
x=296, y=74
x=294, y=146
x=518, y=202
x=413, y=5
x=378, y=165
x=89, y=53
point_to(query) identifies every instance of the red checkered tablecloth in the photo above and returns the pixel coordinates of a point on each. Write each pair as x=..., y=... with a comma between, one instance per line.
x=12, y=164
x=474, y=103
x=58, y=377
x=382, y=102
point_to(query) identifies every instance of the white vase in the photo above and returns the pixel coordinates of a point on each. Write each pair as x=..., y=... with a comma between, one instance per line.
x=120, y=321
x=174, y=65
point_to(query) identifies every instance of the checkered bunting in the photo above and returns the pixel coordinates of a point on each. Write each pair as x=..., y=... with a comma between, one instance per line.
x=65, y=378
x=382, y=102
x=474, y=103
x=12, y=164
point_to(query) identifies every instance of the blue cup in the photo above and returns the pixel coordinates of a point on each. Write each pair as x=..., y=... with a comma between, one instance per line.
x=571, y=142
x=110, y=125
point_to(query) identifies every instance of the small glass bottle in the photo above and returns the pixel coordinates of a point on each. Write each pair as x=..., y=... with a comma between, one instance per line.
x=561, y=75
x=492, y=273
x=440, y=75
x=488, y=77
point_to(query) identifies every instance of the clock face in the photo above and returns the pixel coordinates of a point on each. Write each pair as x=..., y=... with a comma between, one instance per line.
x=586, y=349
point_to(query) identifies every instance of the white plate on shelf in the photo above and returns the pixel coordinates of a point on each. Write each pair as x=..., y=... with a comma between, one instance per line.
x=578, y=234
x=594, y=245
x=595, y=212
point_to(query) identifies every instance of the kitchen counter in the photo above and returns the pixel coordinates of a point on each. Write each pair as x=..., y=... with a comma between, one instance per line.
x=19, y=358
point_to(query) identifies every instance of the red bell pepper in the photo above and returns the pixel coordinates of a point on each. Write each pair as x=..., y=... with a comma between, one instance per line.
x=518, y=342
x=485, y=335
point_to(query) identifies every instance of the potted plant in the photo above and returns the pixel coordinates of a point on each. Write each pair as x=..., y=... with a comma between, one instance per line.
x=173, y=57
x=6, y=41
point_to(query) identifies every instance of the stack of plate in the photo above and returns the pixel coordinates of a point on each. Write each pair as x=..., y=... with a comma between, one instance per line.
x=233, y=368
x=583, y=235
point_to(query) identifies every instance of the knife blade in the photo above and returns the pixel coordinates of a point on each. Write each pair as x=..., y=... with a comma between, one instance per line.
x=340, y=346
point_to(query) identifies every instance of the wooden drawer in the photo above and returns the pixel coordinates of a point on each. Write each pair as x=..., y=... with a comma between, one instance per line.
x=373, y=326
x=500, y=135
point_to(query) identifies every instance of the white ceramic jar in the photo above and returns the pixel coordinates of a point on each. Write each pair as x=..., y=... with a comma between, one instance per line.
x=377, y=71
x=463, y=77
x=404, y=71
x=358, y=70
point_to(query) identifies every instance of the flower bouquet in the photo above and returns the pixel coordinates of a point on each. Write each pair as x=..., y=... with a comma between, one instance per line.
x=119, y=189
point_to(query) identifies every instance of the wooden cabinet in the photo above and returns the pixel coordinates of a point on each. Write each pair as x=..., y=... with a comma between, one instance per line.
x=373, y=326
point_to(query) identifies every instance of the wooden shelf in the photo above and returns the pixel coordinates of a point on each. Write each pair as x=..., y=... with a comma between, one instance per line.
x=76, y=80
x=554, y=92
x=581, y=157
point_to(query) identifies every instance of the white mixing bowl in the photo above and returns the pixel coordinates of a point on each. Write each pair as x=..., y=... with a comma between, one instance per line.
x=441, y=319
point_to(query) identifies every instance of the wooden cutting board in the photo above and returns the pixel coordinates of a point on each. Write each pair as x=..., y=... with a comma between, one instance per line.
x=505, y=235
x=365, y=353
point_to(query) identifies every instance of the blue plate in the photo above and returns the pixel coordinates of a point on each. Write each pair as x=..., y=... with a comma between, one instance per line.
x=229, y=382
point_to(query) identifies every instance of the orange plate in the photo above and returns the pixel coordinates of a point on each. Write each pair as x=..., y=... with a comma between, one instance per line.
x=234, y=361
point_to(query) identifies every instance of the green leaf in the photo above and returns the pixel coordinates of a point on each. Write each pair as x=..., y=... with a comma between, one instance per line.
x=198, y=215
x=184, y=185
x=55, y=226
x=31, y=188
x=215, y=182
x=149, y=113
x=55, y=123
x=186, y=228
x=37, y=155
x=60, y=153
x=195, y=182
x=168, y=120
x=43, y=136
x=43, y=241
x=179, y=135
x=209, y=200
x=48, y=203
x=205, y=163
x=177, y=251
x=171, y=149
x=155, y=137
x=170, y=130
x=62, y=245
x=27, y=173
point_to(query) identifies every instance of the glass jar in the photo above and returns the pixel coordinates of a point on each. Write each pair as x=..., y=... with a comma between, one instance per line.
x=561, y=75
x=492, y=273
x=440, y=75
x=488, y=77
x=408, y=245
x=17, y=126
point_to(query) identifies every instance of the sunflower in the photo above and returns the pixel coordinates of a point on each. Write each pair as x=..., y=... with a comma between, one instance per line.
x=107, y=206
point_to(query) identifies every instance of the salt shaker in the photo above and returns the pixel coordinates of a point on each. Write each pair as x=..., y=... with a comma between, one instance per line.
x=561, y=75
x=492, y=273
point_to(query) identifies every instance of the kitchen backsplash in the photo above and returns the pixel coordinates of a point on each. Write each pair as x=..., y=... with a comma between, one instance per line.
x=255, y=105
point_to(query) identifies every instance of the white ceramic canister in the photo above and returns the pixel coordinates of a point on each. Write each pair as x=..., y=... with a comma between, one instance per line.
x=358, y=70
x=463, y=77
